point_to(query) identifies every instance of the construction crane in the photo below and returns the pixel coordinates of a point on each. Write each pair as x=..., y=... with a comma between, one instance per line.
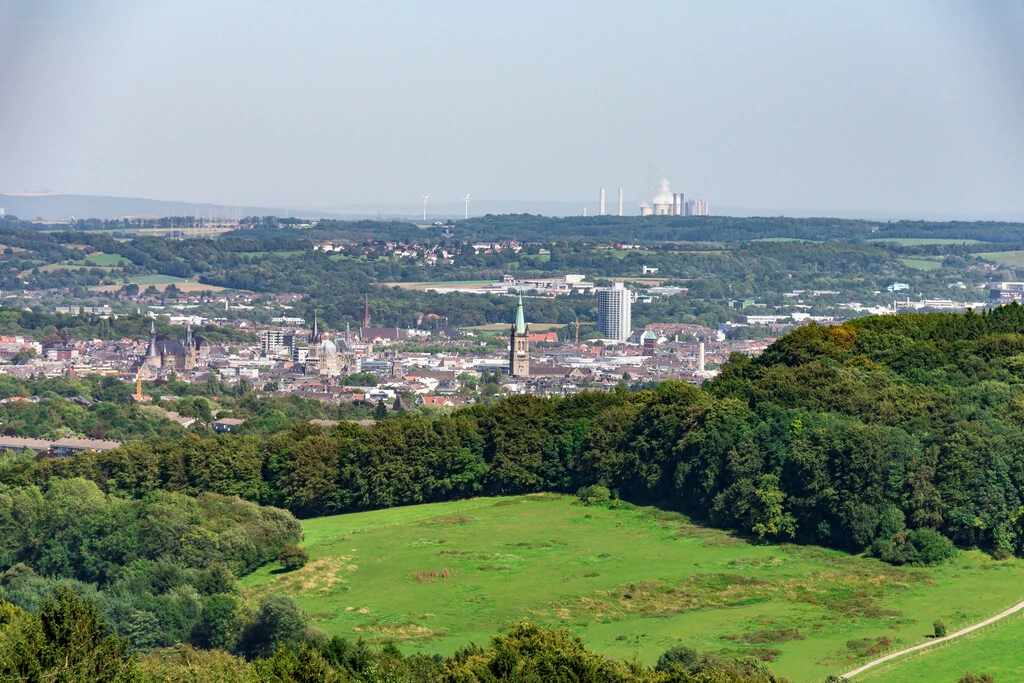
x=578, y=324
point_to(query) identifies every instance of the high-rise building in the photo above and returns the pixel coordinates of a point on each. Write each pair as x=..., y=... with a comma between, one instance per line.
x=519, y=345
x=614, y=312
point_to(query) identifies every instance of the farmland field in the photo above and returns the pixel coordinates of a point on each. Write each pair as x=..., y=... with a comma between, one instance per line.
x=631, y=582
x=161, y=282
x=1004, y=258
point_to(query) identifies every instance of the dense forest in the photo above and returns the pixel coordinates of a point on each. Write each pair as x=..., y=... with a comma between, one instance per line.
x=527, y=227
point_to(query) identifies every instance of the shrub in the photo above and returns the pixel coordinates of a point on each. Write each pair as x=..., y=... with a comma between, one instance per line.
x=919, y=547
x=677, y=656
x=292, y=557
x=932, y=547
x=968, y=677
x=594, y=495
x=940, y=628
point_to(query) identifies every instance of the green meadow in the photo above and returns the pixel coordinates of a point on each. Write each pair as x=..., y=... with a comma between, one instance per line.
x=1004, y=258
x=156, y=279
x=101, y=259
x=920, y=263
x=994, y=651
x=630, y=582
x=786, y=239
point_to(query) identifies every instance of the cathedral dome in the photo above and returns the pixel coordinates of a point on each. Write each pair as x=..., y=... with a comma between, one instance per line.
x=329, y=349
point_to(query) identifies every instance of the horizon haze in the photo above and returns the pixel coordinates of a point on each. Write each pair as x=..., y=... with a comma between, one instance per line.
x=874, y=110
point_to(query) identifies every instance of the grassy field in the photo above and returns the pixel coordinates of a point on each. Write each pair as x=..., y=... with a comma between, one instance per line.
x=920, y=241
x=994, y=651
x=50, y=267
x=920, y=263
x=101, y=259
x=786, y=239
x=160, y=283
x=623, y=253
x=1004, y=258
x=535, y=258
x=630, y=582
x=275, y=253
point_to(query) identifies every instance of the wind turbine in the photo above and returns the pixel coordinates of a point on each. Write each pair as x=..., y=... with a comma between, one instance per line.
x=466, y=199
x=425, y=198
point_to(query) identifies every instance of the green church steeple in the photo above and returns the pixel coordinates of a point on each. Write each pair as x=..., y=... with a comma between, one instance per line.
x=520, y=318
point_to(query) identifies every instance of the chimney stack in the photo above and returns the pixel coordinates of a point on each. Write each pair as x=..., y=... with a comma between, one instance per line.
x=700, y=361
x=600, y=211
x=620, y=201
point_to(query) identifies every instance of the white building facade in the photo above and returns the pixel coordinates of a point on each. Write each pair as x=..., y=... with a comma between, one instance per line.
x=614, y=312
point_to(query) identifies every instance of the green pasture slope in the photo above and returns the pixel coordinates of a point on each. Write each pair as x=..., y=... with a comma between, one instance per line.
x=101, y=259
x=1004, y=258
x=920, y=263
x=630, y=582
x=995, y=651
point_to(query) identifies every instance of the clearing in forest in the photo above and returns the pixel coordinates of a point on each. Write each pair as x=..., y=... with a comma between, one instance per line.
x=631, y=582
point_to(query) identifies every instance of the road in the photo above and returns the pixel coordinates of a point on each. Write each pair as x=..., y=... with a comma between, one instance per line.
x=962, y=632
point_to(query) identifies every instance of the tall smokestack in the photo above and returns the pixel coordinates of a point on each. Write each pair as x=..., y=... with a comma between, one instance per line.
x=600, y=211
x=700, y=362
x=620, y=201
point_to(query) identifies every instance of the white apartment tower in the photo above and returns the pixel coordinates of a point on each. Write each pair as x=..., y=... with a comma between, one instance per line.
x=614, y=312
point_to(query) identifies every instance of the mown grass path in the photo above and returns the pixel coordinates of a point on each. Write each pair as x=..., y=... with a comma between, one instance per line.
x=962, y=632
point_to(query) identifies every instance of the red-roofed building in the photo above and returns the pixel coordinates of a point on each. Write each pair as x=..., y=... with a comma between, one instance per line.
x=548, y=337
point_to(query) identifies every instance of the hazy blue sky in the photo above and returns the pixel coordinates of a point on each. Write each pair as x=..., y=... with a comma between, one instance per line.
x=887, y=106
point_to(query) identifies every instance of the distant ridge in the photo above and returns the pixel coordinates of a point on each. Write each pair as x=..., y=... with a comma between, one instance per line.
x=61, y=207
x=55, y=207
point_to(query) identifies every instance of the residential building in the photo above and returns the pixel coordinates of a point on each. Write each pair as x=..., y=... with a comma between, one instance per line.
x=614, y=312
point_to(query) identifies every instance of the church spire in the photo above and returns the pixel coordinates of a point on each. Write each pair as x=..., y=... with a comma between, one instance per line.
x=520, y=318
x=152, y=352
x=366, y=311
x=519, y=345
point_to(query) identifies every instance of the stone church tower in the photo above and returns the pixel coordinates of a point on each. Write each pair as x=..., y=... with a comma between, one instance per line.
x=519, y=345
x=313, y=353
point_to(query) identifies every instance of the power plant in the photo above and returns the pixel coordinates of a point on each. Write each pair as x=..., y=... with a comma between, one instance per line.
x=668, y=203
x=600, y=203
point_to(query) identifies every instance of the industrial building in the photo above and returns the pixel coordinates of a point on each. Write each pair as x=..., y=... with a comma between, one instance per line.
x=668, y=203
x=1005, y=292
x=614, y=312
